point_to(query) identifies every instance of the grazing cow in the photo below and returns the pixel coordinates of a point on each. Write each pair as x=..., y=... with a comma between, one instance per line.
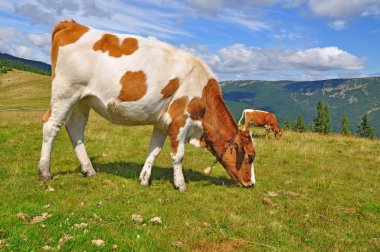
x=263, y=119
x=131, y=80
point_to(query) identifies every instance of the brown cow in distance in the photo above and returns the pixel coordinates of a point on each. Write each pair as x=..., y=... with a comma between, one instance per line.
x=262, y=119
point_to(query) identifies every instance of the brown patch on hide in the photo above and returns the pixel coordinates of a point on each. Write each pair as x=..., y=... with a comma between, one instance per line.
x=110, y=43
x=47, y=115
x=64, y=33
x=129, y=46
x=196, y=108
x=176, y=112
x=170, y=88
x=133, y=86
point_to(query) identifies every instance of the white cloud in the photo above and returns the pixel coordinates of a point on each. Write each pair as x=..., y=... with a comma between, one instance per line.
x=40, y=40
x=344, y=8
x=6, y=33
x=243, y=20
x=32, y=46
x=240, y=61
x=7, y=40
x=338, y=24
x=325, y=59
x=24, y=52
x=50, y=12
x=216, y=6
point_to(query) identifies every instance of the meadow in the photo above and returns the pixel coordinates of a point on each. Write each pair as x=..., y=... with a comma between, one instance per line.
x=313, y=192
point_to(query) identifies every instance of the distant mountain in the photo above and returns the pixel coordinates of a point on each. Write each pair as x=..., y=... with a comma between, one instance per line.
x=38, y=64
x=286, y=99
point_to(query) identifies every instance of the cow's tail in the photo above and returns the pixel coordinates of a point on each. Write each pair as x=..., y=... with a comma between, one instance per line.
x=242, y=116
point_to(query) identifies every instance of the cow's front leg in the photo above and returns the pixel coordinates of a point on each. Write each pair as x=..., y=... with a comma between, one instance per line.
x=156, y=142
x=177, y=133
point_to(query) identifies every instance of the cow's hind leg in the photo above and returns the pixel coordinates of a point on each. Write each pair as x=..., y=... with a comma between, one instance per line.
x=156, y=142
x=54, y=119
x=75, y=126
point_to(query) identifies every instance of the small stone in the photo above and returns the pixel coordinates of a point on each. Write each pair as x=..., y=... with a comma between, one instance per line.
x=272, y=194
x=97, y=217
x=86, y=231
x=46, y=206
x=42, y=225
x=56, y=177
x=40, y=218
x=156, y=220
x=288, y=182
x=50, y=189
x=100, y=203
x=137, y=218
x=114, y=246
x=98, y=242
x=47, y=248
x=376, y=240
x=177, y=244
x=292, y=194
x=138, y=236
x=81, y=225
x=64, y=239
x=268, y=202
x=23, y=216
x=206, y=225
x=272, y=212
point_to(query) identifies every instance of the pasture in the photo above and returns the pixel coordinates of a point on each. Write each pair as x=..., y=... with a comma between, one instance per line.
x=313, y=192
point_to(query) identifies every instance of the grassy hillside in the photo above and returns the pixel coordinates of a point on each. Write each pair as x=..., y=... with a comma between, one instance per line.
x=313, y=192
x=287, y=99
x=20, y=89
x=24, y=64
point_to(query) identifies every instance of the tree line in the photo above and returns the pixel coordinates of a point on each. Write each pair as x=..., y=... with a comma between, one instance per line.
x=7, y=65
x=321, y=123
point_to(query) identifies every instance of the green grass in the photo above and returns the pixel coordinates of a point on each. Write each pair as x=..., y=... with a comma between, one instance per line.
x=327, y=192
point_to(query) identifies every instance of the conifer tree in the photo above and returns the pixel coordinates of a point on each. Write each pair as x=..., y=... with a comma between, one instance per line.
x=365, y=129
x=346, y=126
x=287, y=124
x=321, y=123
x=299, y=124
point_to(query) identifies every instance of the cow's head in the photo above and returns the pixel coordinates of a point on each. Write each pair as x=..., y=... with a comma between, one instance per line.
x=278, y=133
x=238, y=159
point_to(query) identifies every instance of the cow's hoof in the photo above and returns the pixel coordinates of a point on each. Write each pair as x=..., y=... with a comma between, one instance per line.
x=90, y=173
x=181, y=188
x=144, y=182
x=44, y=176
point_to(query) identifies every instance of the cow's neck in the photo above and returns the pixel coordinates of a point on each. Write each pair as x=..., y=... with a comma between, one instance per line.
x=218, y=125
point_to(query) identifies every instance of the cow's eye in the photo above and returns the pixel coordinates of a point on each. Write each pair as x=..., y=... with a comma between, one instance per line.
x=251, y=158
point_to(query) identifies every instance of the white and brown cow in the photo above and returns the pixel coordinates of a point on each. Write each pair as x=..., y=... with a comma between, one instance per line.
x=131, y=80
x=262, y=119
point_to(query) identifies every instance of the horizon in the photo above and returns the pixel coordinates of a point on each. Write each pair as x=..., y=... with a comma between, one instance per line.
x=350, y=78
x=299, y=40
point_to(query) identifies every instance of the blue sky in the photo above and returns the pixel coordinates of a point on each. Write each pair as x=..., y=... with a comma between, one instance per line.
x=241, y=39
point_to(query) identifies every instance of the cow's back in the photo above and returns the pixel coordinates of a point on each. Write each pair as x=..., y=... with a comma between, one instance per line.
x=126, y=78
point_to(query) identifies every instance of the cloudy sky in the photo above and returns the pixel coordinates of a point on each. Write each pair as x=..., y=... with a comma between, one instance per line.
x=240, y=39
